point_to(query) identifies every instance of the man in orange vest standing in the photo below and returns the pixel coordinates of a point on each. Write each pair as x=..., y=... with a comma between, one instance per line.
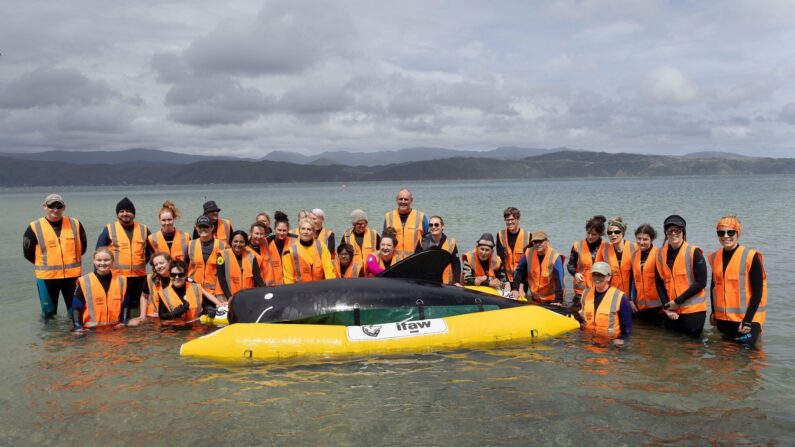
x=55, y=245
x=222, y=228
x=128, y=241
x=409, y=223
x=512, y=241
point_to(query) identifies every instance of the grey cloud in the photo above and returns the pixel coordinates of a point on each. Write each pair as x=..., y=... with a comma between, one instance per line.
x=46, y=87
x=787, y=113
x=313, y=99
x=286, y=37
x=94, y=119
x=475, y=95
x=206, y=115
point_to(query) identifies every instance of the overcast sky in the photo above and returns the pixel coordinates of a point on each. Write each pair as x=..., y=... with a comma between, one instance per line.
x=248, y=77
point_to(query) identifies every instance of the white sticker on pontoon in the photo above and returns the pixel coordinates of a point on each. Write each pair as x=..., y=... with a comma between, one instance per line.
x=397, y=330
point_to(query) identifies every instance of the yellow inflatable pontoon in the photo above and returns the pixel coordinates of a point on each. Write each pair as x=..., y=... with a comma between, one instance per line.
x=265, y=341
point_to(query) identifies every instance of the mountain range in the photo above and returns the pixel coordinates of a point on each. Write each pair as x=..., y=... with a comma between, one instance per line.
x=550, y=164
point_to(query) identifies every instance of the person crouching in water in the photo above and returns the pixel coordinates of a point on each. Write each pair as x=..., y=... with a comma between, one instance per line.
x=181, y=301
x=482, y=267
x=101, y=297
x=739, y=286
x=605, y=309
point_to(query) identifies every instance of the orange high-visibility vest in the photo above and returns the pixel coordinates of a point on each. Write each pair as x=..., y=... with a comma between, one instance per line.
x=585, y=263
x=540, y=274
x=603, y=319
x=474, y=262
x=276, y=262
x=155, y=295
x=732, y=287
x=204, y=273
x=450, y=246
x=646, y=296
x=307, y=261
x=61, y=256
x=352, y=272
x=369, y=244
x=179, y=246
x=224, y=227
x=620, y=271
x=513, y=255
x=102, y=307
x=193, y=296
x=237, y=278
x=408, y=234
x=264, y=260
x=323, y=236
x=129, y=255
x=680, y=278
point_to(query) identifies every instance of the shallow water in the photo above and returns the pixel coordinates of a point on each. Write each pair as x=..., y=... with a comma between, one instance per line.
x=130, y=386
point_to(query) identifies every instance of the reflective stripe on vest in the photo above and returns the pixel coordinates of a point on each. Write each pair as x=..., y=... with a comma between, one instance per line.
x=550, y=257
x=42, y=245
x=401, y=247
x=746, y=258
x=646, y=295
x=688, y=261
x=589, y=303
x=197, y=262
x=227, y=256
x=89, y=295
x=511, y=255
x=297, y=260
x=159, y=244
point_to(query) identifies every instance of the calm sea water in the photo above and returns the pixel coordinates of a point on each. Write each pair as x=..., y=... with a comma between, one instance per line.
x=130, y=387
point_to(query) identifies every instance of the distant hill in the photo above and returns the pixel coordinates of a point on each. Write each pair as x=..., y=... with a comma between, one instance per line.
x=114, y=157
x=380, y=158
x=557, y=164
x=714, y=154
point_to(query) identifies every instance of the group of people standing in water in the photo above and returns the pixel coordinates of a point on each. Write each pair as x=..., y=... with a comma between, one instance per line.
x=614, y=280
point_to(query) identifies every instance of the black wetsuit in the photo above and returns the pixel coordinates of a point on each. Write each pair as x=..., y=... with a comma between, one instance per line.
x=692, y=323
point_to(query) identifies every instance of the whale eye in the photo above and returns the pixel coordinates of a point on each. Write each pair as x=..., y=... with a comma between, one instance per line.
x=268, y=296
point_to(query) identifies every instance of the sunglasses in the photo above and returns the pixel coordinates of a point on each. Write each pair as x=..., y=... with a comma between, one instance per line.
x=673, y=230
x=539, y=242
x=55, y=206
x=177, y=275
x=730, y=233
x=434, y=225
x=610, y=233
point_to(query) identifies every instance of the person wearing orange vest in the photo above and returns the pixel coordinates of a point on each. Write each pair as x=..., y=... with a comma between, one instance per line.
x=584, y=253
x=385, y=257
x=409, y=223
x=323, y=234
x=265, y=219
x=512, y=241
x=362, y=238
x=102, y=297
x=618, y=254
x=344, y=265
x=203, y=255
x=540, y=273
x=437, y=238
x=222, y=228
x=279, y=243
x=128, y=240
x=307, y=259
x=605, y=309
x=684, y=271
x=55, y=245
x=237, y=268
x=168, y=239
x=647, y=288
x=182, y=301
x=155, y=282
x=258, y=245
x=739, y=286
x=482, y=267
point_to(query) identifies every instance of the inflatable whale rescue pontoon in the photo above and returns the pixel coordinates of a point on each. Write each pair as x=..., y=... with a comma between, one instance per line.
x=382, y=315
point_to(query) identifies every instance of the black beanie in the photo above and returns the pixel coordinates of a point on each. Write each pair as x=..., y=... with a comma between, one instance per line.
x=125, y=204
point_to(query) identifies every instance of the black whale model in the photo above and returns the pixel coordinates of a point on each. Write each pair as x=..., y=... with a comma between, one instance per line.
x=411, y=284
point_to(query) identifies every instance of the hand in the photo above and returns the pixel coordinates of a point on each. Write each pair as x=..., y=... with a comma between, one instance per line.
x=90, y=325
x=745, y=328
x=515, y=294
x=671, y=305
x=479, y=280
x=618, y=342
x=135, y=321
x=634, y=307
x=578, y=278
x=671, y=315
x=458, y=284
x=494, y=282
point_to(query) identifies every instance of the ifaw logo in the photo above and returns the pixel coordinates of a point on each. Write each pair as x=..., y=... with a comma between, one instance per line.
x=372, y=331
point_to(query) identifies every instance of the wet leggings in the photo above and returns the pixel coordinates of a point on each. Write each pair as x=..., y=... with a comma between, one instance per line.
x=50, y=289
x=690, y=324
x=135, y=286
x=730, y=331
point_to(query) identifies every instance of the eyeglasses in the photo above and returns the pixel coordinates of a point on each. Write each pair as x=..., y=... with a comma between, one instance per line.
x=177, y=275
x=730, y=233
x=510, y=220
x=434, y=225
x=55, y=206
x=610, y=233
x=673, y=230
